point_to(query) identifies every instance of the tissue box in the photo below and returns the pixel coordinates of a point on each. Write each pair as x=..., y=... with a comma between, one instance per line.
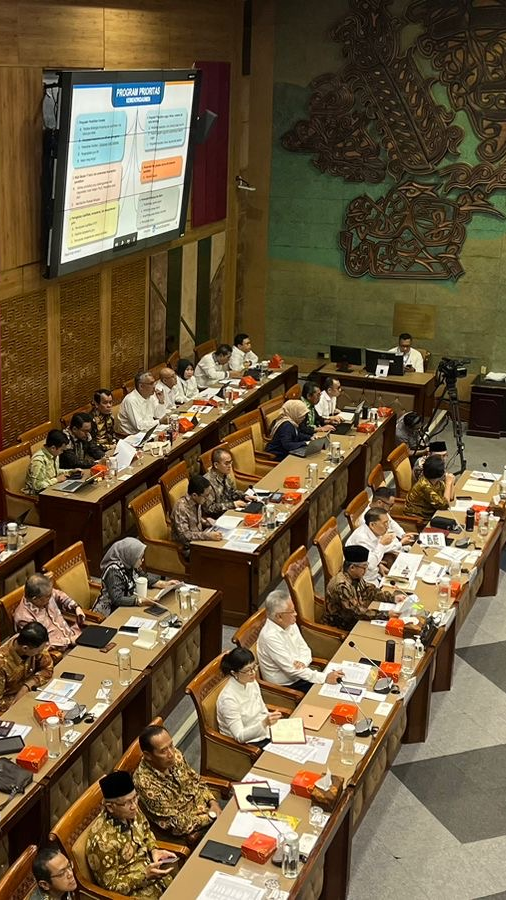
x=258, y=847
x=185, y=425
x=391, y=670
x=32, y=758
x=344, y=714
x=303, y=783
x=291, y=497
x=44, y=710
x=328, y=799
x=292, y=482
x=275, y=361
x=395, y=627
x=247, y=382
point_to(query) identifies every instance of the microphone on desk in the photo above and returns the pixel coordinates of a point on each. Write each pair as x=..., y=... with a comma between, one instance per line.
x=277, y=857
x=383, y=684
x=364, y=728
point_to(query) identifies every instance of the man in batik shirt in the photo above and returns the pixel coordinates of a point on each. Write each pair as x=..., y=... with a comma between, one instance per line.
x=188, y=523
x=170, y=791
x=25, y=663
x=121, y=849
x=102, y=427
x=224, y=494
x=348, y=596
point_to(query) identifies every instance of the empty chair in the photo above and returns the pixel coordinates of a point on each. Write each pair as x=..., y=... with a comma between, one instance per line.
x=174, y=484
x=163, y=555
x=330, y=548
x=70, y=573
x=356, y=508
x=400, y=464
x=66, y=419
x=14, y=463
x=128, y=386
x=18, y=882
x=376, y=477
x=201, y=350
x=173, y=359
x=269, y=412
x=253, y=420
x=323, y=640
x=293, y=393
x=155, y=370
x=36, y=437
x=249, y=466
x=8, y=605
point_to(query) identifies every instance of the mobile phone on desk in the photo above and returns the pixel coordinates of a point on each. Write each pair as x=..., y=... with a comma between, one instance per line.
x=72, y=676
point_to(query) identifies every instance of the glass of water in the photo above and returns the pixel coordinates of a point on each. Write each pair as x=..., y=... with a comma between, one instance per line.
x=106, y=689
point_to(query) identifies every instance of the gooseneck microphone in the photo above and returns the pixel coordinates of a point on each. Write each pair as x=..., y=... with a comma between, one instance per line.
x=364, y=728
x=383, y=684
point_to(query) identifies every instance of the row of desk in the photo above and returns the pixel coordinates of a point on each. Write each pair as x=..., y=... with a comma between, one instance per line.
x=326, y=873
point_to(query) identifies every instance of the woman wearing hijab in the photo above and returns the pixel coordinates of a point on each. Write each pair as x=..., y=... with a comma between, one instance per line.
x=121, y=565
x=186, y=388
x=285, y=432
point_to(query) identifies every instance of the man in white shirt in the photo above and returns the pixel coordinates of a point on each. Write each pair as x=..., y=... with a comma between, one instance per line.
x=213, y=367
x=143, y=407
x=384, y=498
x=375, y=535
x=283, y=655
x=242, y=354
x=167, y=385
x=412, y=359
x=327, y=404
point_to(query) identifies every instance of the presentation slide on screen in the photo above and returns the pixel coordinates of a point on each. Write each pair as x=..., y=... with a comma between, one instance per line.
x=128, y=146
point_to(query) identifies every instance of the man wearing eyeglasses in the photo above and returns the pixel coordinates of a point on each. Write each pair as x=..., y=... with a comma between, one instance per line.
x=224, y=494
x=121, y=849
x=54, y=876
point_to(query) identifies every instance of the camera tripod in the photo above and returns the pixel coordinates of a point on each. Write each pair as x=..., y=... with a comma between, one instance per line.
x=450, y=394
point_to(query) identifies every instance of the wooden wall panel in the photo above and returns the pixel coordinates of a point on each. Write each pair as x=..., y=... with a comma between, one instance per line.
x=80, y=340
x=8, y=33
x=24, y=364
x=201, y=30
x=59, y=34
x=128, y=290
x=20, y=165
x=136, y=38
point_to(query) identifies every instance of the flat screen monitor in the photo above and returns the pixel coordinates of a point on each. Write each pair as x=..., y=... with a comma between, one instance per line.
x=121, y=173
x=345, y=356
x=381, y=357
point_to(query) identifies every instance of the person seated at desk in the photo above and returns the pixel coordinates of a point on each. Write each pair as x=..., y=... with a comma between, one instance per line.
x=224, y=494
x=102, y=426
x=282, y=652
x=242, y=354
x=44, y=468
x=349, y=596
x=54, y=875
x=143, y=407
x=188, y=523
x=407, y=431
x=187, y=387
x=81, y=452
x=314, y=423
x=376, y=536
x=327, y=404
x=240, y=710
x=384, y=498
x=412, y=359
x=436, y=448
x=43, y=603
x=121, y=849
x=434, y=490
x=170, y=792
x=120, y=566
x=286, y=434
x=167, y=385
x=213, y=367
x=25, y=664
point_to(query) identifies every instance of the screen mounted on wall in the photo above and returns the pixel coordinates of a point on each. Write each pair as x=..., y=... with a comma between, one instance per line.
x=122, y=164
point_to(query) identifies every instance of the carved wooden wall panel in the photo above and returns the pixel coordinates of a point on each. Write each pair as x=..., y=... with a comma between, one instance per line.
x=24, y=364
x=128, y=290
x=80, y=340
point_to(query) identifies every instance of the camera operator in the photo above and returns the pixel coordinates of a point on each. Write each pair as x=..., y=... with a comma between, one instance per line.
x=407, y=431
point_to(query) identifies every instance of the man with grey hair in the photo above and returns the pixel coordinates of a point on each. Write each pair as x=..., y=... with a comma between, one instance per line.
x=143, y=407
x=282, y=652
x=43, y=603
x=167, y=385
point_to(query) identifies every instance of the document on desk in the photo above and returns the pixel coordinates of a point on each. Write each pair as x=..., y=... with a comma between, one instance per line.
x=454, y=554
x=228, y=522
x=138, y=622
x=477, y=487
x=432, y=539
x=58, y=688
x=197, y=408
x=354, y=672
x=461, y=505
x=316, y=749
x=125, y=453
x=485, y=476
x=284, y=789
x=222, y=886
x=245, y=823
x=241, y=540
x=288, y=731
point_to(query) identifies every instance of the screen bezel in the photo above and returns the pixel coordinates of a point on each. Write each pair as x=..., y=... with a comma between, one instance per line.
x=68, y=79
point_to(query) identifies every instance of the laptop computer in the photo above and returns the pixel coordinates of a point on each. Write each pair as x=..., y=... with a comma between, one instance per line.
x=314, y=716
x=96, y=636
x=71, y=485
x=310, y=449
x=146, y=436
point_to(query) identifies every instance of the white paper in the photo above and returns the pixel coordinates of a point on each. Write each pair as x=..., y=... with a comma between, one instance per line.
x=432, y=539
x=284, y=789
x=208, y=393
x=316, y=749
x=408, y=690
x=452, y=553
x=461, y=505
x=360, y=749
x=383, y=708
x=222, y=886
x=431, y=572
x=138, y=622
x=125, y=453
x=321, y=747
x=405, y=566
x=227, y=522
x=355, y=672
x=380, y=623
x=485, y=476
x=98, y=709
x=20, y=730
x=59, y=689
x=386, y=607
x=476, y=487
x=330, y=690
x=245, y=823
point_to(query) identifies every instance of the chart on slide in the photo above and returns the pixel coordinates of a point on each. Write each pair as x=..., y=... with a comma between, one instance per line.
x=126, y=163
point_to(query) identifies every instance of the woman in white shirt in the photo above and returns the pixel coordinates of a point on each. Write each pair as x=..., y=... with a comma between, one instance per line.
x=186, y=387
x=241, y=711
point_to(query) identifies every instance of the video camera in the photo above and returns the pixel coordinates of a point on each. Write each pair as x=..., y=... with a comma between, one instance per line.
x=451, y=369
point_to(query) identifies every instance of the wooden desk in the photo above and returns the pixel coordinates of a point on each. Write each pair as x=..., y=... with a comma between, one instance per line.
x=245, y=577
x=487, y=417
x=325, y=875
x=415, y=388
x=98, y=514
x=37, y=549
x=169, y=666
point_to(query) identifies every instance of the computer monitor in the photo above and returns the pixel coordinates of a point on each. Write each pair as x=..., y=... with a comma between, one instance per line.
x=345, y=356
x=381, y=357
